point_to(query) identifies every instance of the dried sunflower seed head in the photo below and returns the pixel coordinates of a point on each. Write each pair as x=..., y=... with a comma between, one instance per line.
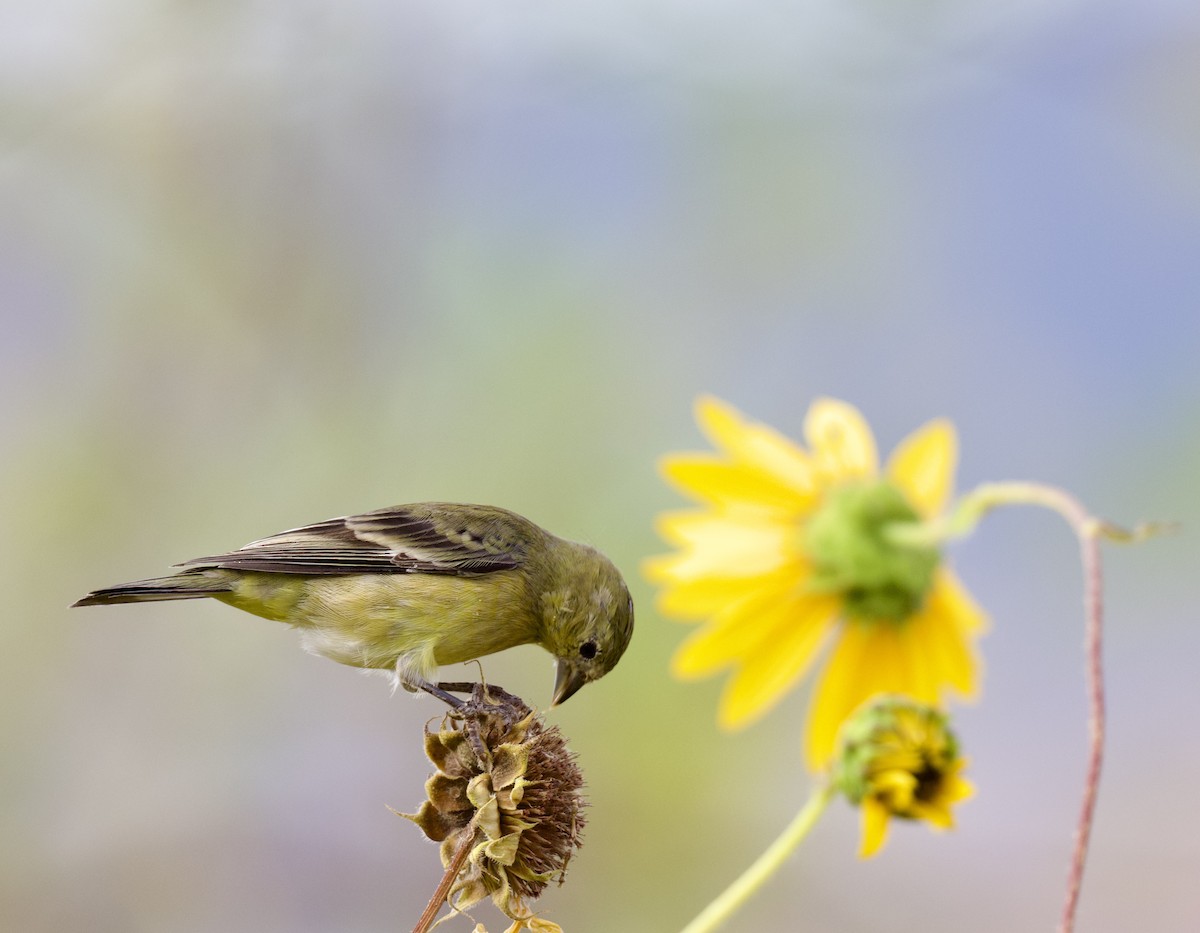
x=507, y=786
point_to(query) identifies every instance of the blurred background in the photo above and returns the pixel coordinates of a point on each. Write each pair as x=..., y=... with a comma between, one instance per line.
x=264, y=263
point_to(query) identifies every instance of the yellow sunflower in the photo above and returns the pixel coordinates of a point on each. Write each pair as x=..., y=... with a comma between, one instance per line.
x=791, y=550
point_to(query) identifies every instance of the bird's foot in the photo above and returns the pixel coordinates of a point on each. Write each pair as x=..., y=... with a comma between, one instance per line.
x=440, y=691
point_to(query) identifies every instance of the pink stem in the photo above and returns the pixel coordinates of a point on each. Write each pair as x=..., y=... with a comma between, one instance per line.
x=1089, y=531
x=1093, y=601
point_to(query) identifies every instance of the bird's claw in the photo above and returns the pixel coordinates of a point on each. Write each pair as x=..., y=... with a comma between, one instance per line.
x=440, y=691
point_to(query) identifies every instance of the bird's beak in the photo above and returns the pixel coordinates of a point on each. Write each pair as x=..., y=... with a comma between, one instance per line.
x=566, y=681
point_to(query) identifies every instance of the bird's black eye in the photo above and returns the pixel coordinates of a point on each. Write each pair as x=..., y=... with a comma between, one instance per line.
x=588, y=650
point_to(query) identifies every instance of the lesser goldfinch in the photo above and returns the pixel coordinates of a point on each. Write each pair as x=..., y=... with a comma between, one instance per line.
x=409, y=588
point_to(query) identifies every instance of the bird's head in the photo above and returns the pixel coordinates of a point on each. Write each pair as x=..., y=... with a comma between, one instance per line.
x=589, y=623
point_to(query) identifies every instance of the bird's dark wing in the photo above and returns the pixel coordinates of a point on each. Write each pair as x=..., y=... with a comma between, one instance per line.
x=427, y=537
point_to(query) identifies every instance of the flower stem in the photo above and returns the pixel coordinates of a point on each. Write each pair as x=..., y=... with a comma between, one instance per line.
x=765, y=866
x=1089, y=530
x=442, y=891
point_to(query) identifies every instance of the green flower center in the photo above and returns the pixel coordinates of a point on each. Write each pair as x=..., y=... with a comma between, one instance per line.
x=877, y=578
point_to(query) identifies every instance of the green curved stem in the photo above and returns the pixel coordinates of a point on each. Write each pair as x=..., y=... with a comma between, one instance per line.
x=765, y=866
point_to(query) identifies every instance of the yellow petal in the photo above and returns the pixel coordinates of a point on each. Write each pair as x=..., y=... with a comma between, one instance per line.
x=721, y=423
x=846, y=681
x=759, y=449
x=899, y=785
x=734, y=631
x=953, y=598
x=960, y=788
x=734, y=485
x=918, y=664
x=751, y=441
x=840, y=440
x=795, y=630
x=945, y=646
x=889, y=665
x=869, y=658
x=874, y=827
x=929, y=632
x=713, y=648
x=936, y=814
x=948, y=626
x=660, y=568
x=719, y=544
x=889, y=661
x=701, y=597
x=923, y=466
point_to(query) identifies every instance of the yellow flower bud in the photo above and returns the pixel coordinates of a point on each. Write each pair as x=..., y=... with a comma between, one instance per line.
x=898, y=758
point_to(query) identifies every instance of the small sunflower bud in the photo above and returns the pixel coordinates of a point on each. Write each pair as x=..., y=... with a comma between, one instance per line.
x=898, y=758
x=507, y=786
x=852, y=555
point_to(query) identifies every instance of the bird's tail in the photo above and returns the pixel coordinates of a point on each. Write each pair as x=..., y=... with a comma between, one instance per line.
x=187, y=585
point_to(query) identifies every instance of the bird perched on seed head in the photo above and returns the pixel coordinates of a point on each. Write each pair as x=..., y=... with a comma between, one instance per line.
x=410, y=588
